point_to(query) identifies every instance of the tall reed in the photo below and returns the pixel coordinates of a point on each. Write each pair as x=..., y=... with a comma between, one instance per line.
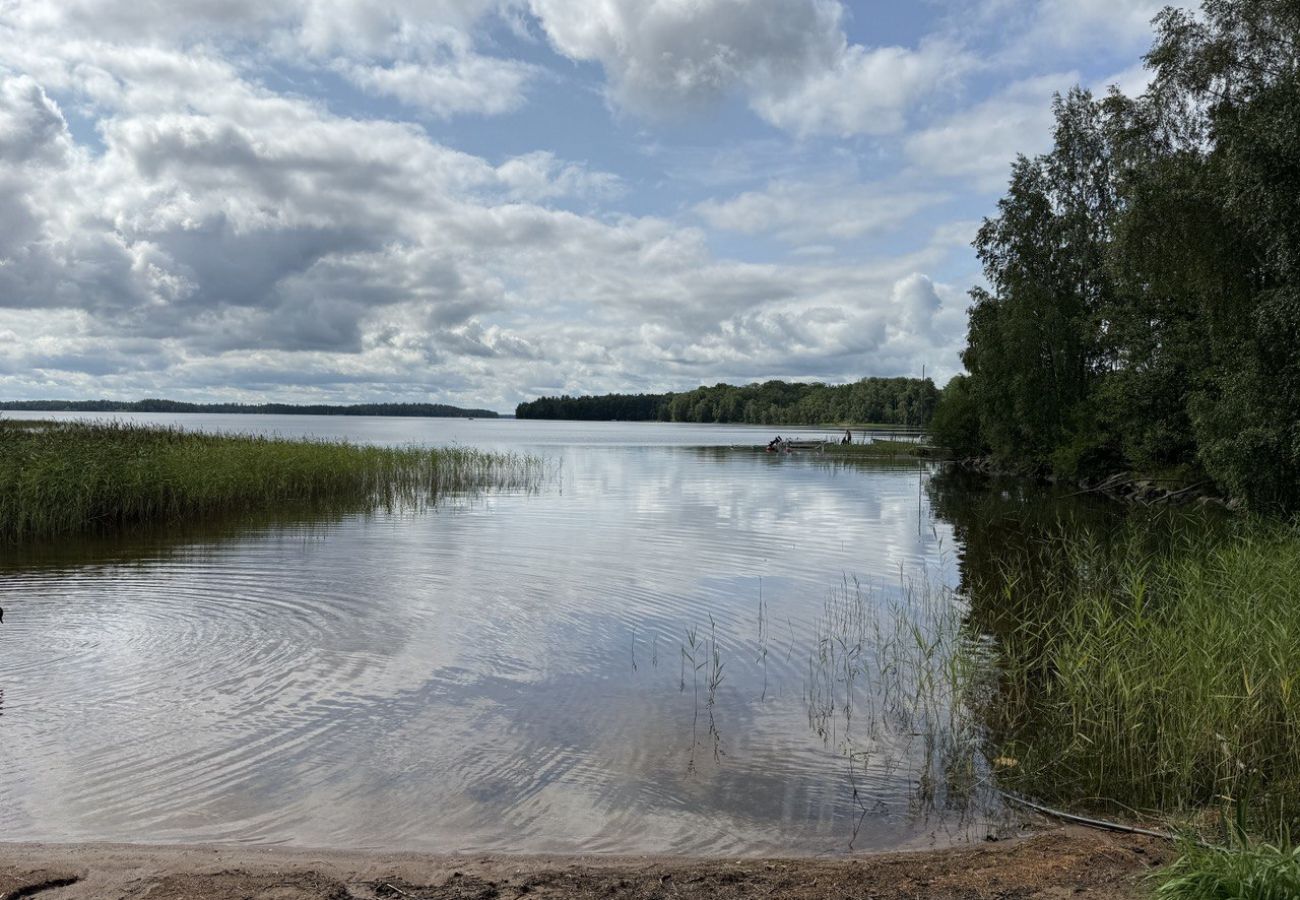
x=61, y=478
x=900, y=668
x=1162, y=679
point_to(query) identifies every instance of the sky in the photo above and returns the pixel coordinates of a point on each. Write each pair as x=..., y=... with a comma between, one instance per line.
x=482, y=201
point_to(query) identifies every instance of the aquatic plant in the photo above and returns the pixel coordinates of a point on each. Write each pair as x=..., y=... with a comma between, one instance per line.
x=1165, y=679
x=902, y=669
x=61, y=478
x=1112, y=674
x=887, y=449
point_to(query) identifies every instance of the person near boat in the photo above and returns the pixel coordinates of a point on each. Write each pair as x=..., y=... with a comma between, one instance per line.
x=848, y=437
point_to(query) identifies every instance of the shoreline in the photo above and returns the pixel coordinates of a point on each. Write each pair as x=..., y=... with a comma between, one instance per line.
x=1053, y=863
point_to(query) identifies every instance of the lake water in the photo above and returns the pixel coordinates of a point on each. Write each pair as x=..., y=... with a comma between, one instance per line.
x=618, y=659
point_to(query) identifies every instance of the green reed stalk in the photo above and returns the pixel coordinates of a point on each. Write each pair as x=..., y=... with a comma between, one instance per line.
x=62, y=478
x=1164, y=680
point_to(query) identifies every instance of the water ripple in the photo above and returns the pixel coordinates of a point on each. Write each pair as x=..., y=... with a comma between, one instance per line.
x=509, y=674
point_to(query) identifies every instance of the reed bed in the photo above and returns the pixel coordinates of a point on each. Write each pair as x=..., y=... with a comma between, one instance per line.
x=886, y=449
x=63, y=478
x=1132, y=675
x=1162, y=680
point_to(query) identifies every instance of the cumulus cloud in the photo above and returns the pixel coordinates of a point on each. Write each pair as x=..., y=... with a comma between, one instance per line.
x=979, y=143
x=863, y=91
x=661, y=56
x=32, y=129
x=789, y=59
x=919, y=301
x=420, y=53
x=442, y=74
x=252, y=239
x=187, y=208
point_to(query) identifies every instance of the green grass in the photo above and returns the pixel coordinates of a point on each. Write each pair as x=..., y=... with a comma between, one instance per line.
x=1164, y=680
x=63, y=478
x=1259, y=872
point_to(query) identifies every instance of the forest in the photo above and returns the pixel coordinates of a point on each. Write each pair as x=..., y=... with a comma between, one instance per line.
x=1142, y=302
x=429, y=410
x=884, y=401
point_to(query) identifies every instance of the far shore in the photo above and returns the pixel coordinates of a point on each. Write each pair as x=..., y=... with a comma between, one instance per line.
x=1061, y=862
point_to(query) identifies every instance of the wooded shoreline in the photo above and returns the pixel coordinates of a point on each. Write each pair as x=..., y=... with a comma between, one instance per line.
x=419, y=410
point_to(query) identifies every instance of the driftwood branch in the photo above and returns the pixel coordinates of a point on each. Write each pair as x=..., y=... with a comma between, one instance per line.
x=1102, y=824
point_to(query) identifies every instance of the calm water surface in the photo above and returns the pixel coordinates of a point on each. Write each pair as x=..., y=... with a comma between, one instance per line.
x=504, y=672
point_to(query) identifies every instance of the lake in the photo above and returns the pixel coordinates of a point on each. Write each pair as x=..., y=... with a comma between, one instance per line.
x=629, y=656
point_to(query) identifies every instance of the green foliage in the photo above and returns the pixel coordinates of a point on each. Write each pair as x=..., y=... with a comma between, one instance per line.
x=1260, y=872
x=623, y=407
x=1143, y=300
x=71, y=477
x=430, y=410
x=886, y=401
x=1033, y=349
x=956, y=422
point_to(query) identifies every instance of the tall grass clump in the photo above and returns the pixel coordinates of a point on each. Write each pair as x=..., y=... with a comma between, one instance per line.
x=62, y=478
x=1258, y=872
x=1162, y=679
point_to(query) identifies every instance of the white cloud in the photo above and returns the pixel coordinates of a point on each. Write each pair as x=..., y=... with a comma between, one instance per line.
x=803, y=212
x=32, y=129
x=916, y=297
x=540, y=176
x=422, y=53
x=1132, y=81
x=979, y=144
x=661, y=56
x=1038, y=34
x=1080, y=24
x=262, y=243
x=464, y=85
x=864, y=91
x=789, y=59
x=441, y=73
x=221, y=228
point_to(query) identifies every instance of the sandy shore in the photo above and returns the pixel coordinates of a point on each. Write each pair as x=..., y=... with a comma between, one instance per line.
x=1060, y=863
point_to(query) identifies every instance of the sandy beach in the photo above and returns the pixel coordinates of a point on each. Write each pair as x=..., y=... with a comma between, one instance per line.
x=1059, y=863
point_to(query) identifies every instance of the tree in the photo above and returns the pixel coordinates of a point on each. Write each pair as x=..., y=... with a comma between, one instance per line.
x=1143, y=299
x=956, y=422
x=1034, y=347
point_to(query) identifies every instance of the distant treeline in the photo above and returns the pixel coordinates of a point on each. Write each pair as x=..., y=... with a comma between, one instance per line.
x=887, y=401
x=1143, y=302
x=430, y=410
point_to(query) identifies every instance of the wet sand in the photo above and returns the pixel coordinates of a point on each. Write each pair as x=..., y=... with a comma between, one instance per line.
x=1060, y=863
